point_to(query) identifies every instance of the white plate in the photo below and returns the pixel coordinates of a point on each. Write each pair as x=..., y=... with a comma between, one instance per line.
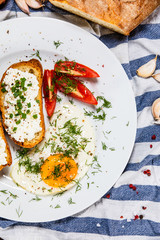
x=20, y=38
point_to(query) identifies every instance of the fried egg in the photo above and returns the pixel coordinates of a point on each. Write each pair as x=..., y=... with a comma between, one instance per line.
x=62, y=159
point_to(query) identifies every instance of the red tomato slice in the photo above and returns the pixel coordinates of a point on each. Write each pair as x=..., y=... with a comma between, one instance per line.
x=75, y=69
x=74, y=88
x=49, y=91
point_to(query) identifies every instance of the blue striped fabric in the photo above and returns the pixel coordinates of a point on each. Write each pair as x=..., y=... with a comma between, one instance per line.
x=107, y=227
x=114, y=215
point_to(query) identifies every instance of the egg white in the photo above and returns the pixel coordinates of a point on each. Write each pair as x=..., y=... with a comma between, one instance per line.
x=33, y=182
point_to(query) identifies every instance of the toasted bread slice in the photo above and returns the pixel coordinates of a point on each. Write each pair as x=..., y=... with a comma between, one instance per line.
x=6, y=149
x=31, y=67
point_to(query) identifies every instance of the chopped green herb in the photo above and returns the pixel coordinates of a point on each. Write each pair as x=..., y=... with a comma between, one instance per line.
x=79, y=186
x=19, y=212
x=29, y=166
x=22, y=152
x=36, y=199
x=13, y=195
x=96, y=166
x=96, y=117
x=18, y=122
x=37, y=54
x=23, y=98
x=104, y=147
x=59, y=99
x=24, y=115
x=57, y=206
x=57, y=43
x=127, y=124
x=49, y=190
x=23, y=82
x=70, y=201
x=4, y=191
x=35, y=116
x=14, y=129
x=112, y=149
x=36, y=149
x=106, y=103
x=19, y=104
x=99, y=113
x=60, y=193
x=71, y=101
x=3, y=90
x=28, y=105
x=24, y=89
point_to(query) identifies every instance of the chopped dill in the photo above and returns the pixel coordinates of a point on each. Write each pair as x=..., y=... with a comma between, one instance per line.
x=70, y=201
x=19, y=212
x=37, y=54
x=104, y=147
x=106, y=103
x=57, y=43
x=71, y=101
x=22, y=152
x=59, y=99
x=36, y=199
x=4, y=191
x=31, y=167
x=57, y=206
x=99, y=113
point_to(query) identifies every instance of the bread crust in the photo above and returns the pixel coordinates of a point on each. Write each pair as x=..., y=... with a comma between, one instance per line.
x=7, y=149
x=35, y=67
x=119, y=15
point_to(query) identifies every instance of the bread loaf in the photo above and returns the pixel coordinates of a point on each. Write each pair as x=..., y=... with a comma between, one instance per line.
x=119, y=15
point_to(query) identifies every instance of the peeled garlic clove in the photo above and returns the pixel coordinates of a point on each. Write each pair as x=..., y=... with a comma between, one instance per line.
x=34, y=4
x=23, y=6
x=147, y=69
x=156, y=77
x=156, y=109
x=157, y=122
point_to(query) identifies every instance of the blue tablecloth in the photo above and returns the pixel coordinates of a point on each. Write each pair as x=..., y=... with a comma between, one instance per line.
x=124, y=212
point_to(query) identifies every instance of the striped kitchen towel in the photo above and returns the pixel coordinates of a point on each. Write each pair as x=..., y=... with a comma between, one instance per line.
x=130, y=210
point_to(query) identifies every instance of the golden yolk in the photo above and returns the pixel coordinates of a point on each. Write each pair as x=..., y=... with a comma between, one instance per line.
x=58, y=170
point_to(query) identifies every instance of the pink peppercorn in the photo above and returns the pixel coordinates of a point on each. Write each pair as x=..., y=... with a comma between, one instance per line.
x=136, y=217
x=144, y=208
x=153, y=137
x=108, y=196
x=134, y=188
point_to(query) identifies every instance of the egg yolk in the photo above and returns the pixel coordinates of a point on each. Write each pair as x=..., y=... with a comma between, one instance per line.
x=58, y=170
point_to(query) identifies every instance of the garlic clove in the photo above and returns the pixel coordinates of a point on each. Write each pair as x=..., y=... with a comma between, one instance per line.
x=156, y=77
x=157, y=122
x=23, y=6
x=34, y=4
x=156, y=109
x=147, y=69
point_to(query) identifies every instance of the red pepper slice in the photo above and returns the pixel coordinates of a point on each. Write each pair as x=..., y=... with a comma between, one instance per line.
x=49, y=91
x=74, y=88
x=71, y=68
